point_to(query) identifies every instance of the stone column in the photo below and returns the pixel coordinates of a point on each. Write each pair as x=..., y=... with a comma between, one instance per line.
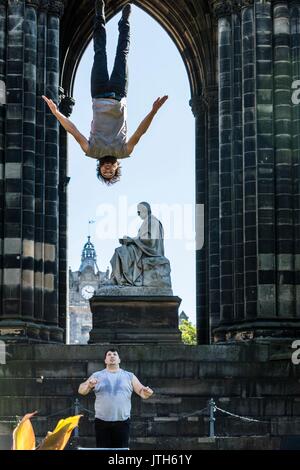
x=199, y=108
x=213, y=206
x=12, y=233
x=29, y=170
x=264, y=209
x=295, y=57
x=259, y=168
x=226, y=66
x=51, y=168
x=2, y=136
x=66, y=108
x=230, y=224
x=283, y=160
x=39, y=254
x=237, y=167
x=29, y=149
x=249, y=159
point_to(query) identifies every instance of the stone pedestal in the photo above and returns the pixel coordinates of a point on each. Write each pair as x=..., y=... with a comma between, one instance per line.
x=129, y=318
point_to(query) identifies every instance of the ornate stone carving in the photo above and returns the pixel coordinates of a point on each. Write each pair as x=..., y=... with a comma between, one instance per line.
x=33, y=3
x=199, y=105
x=44, y=5
x=66, y=105
x=56, y=7
x=62, y=186
x=211, y=95
x=246, y=3
x=221, y=8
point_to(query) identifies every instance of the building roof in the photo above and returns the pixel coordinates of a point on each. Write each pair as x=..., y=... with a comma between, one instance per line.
x=89, y=257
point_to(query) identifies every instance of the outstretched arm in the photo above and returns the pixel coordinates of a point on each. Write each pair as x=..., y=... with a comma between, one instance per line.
x=143, y=392
x=67, y=124
x=143, y=127
x=87, y=386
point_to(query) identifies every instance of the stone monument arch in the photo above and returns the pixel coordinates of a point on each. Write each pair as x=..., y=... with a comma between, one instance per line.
x=188, y=25
x=242, y=60
x=191, y=28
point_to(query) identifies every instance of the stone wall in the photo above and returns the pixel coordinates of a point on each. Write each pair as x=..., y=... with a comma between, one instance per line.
x=252, y=380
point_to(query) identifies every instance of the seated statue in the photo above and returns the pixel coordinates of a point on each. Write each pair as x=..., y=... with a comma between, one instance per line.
x=140, y=261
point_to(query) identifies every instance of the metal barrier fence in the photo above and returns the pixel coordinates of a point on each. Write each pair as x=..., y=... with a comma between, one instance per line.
x=210, y=411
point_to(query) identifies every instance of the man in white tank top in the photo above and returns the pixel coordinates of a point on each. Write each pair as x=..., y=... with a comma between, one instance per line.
x=108, y=140
x=113, y=388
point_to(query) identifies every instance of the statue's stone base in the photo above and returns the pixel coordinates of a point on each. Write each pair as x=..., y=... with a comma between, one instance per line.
x=135, y=319
x=142, y=291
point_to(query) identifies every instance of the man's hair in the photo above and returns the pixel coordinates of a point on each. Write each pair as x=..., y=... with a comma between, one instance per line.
x=111, y=350
x=117, y=175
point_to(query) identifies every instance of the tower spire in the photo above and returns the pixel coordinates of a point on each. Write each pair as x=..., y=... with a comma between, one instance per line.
x=89, y=257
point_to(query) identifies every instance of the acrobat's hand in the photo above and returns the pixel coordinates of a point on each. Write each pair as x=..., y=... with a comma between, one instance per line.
x=158, y=103
x=51, y=104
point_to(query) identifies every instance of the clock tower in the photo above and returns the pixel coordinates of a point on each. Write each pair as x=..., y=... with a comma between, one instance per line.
x=82, y=285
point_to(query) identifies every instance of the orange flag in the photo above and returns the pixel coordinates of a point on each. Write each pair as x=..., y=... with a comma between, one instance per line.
x=24, y=437
x=58, y=439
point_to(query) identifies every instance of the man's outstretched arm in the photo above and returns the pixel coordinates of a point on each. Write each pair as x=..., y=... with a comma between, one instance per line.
x=143, y=127
x=67, y=125
x=141, y=390
x=87, y=386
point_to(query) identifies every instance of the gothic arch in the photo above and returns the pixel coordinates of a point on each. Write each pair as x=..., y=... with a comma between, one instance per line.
x=192, y=28
x=188, y=23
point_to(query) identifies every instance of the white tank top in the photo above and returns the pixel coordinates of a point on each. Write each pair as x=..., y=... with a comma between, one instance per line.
x=108, y=129
x=113, y=395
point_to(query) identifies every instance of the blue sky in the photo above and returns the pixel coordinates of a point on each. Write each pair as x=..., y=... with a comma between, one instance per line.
x=161, y=170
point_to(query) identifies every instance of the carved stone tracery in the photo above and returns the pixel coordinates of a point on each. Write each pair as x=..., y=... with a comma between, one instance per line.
x=33, y=3
x=199, y=105
x=56, y=7
x=221, y=9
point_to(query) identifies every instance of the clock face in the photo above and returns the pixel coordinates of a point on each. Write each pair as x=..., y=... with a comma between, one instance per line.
x=87, y=292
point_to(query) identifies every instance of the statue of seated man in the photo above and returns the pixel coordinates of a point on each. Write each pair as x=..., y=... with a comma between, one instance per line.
x=140, y=261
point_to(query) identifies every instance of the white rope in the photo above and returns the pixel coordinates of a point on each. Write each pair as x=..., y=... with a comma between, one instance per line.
x=244, y=418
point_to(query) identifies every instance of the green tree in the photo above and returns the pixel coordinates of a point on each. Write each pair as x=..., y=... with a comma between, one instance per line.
x=188, y=330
